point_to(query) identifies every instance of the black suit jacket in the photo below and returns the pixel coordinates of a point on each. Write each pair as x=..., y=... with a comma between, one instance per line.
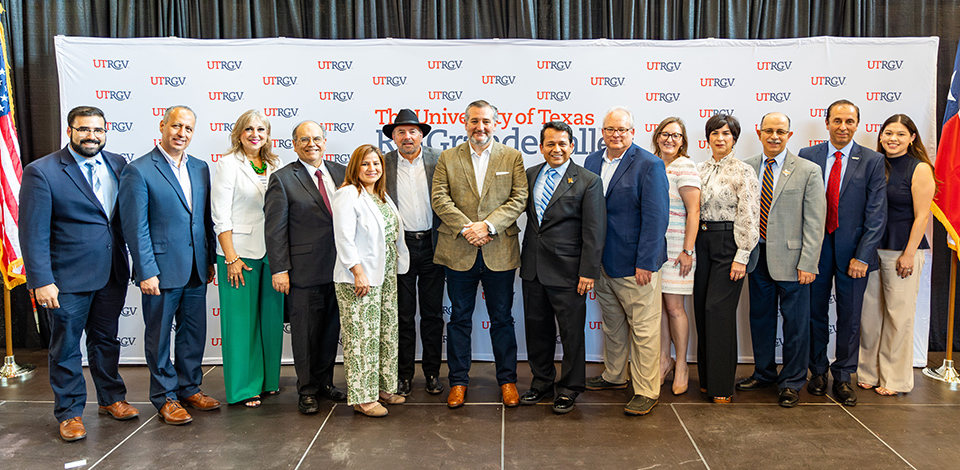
x=299, y=229
x=430, y=157
x=569, y=242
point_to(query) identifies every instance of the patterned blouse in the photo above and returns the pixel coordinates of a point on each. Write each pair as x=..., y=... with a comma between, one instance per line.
x=730, y=191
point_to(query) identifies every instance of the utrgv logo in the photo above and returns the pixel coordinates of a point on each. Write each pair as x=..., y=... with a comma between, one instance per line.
x=281, y=112
x=607, y=81
x=126, y=341
x=339, y=127
x=664, y=66
x=818, y=112
x=779, y=66
x=875, y=127
x=283, y=143
x=705, y=113
x=777, y=97
x=444, y=64
x=717, y=82
x=110, y=64
x=119, y=126
x=228, y=65
x=553, y=95
x=392, y=81
x=338, y=65
x=169, y=81
x=342, y=96
x=444, y=95
x=128, y=156
x=665, y=97
x=560, y=65
x=828, y=81
x=502, y=80
x=888, y=96
x=113, y=95
x=225, y=95
x=158, y=111
x=128, y=311
x=341, y=158
x=221, y=126
x=891, y=65
x=286, y=81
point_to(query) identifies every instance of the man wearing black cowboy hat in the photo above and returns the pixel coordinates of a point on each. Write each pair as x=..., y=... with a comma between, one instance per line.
x=409, y=171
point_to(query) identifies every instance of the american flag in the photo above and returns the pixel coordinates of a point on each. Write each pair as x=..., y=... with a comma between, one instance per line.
x=11, y=173
x=946, y=203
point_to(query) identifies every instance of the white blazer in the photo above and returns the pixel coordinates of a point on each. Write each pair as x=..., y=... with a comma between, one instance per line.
x=358, y=230
x=236, y=204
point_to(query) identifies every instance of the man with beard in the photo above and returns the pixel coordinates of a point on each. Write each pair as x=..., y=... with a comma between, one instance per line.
x=76, y=266
x=479, y=190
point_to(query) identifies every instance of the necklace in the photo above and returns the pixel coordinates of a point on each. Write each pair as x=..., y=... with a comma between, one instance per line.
x=259, y=169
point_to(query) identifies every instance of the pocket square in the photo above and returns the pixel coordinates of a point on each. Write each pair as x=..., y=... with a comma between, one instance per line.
x=503, y=173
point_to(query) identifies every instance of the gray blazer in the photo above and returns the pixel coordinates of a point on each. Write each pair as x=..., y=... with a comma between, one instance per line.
x=796, y=220
x=430, y=157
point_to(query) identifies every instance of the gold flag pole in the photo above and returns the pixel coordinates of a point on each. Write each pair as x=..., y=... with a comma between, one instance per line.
x=10, y=368
x=946, y=372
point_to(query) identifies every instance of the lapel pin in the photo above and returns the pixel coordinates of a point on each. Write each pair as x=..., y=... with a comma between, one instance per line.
x=570, y=180
x=786, y=172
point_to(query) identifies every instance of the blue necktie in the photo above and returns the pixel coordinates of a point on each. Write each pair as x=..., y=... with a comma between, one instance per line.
x=549, y=185
x=93, y=178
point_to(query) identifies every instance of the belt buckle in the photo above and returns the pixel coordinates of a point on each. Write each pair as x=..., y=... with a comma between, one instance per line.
x=703, y=226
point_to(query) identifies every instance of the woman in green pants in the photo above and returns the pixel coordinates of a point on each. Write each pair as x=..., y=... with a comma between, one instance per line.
x=251, y=311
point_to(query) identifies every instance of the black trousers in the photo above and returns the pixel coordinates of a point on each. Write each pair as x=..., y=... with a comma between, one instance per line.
x=715, y=299
x=314, y=335
x=541, y=305
x=424, y=278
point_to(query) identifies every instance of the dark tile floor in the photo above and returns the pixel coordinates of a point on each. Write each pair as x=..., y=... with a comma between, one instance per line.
x=916, y=430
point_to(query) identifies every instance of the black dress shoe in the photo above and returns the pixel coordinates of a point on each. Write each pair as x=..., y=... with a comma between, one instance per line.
x=534, y=396
x=308, y=404
x=817, y=385
x=434, y=386
x=844, y=393
x=751, y=383
x=563, y=404
x=789, y=397
x=332, y=393
x=403, y=387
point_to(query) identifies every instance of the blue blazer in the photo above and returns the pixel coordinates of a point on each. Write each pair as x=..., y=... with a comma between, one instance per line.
x=65, y=235
x=167, y=239
x=862, y=211
x=638, y=209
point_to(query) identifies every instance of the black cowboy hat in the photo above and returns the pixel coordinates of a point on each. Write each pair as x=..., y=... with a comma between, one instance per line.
x=406, y=117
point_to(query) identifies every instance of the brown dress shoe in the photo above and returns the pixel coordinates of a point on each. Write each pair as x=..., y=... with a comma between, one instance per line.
x=202, y=401
x=510, y=396
x=457, y=394
x=120, y=410
x=72, y=429
x=173, y=413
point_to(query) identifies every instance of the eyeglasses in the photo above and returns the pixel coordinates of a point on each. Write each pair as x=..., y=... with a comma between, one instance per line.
x=778, y=132
x=97, y=131
x=616, y=130
x=306, y=140
x=668, y=136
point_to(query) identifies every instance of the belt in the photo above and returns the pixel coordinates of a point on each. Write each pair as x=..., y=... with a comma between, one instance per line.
x=417, y=235
x=715, y=226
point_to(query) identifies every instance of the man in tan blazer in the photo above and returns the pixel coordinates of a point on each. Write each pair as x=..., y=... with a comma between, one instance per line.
x=479, y=190
x=782, y=266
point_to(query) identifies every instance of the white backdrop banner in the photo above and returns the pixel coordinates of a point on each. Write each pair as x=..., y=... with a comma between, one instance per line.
x=354, y=87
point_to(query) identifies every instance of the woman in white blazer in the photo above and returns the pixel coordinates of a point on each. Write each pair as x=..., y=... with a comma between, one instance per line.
x=370, y=254
x=251, y=311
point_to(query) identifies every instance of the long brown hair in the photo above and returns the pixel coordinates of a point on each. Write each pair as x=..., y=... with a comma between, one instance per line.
x=915, y=149
x=236, y=147
x=352, y=175
x=682, y=152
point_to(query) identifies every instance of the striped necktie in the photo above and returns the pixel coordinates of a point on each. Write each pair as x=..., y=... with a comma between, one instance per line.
x=549, y=185
x=766, y=196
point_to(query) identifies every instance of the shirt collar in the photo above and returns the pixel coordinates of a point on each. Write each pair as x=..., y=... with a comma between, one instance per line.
x=485, y=153
x=711, y=161
x=313, y=169
x=778, y=159
x=169, y=159
x=80, y=158
x=561, y=170
x=845, y=150
x=416, y=160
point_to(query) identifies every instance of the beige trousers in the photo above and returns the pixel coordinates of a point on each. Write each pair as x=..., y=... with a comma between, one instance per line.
x=886, y=324
x=631, y=331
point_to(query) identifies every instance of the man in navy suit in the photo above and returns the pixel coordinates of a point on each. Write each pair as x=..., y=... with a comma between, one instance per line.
x=165, y=205
x=628, y=290
x=855, y=182
x=76, y=266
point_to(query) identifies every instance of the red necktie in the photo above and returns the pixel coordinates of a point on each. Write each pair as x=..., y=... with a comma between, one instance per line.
x=833, y=193
x=323, y=191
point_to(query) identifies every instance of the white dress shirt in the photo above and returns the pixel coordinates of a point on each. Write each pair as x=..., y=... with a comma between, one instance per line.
x=608, y=168
x=413, y=195
x=480, y=163
x=182, y=175
x=108, y=182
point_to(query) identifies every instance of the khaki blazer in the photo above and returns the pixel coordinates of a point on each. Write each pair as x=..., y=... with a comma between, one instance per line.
x=457, y=202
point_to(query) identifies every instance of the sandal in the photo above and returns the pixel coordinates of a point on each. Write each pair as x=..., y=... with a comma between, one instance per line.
x=252, y=402
x=865, y=386
x=885, y=392
x=272, y=393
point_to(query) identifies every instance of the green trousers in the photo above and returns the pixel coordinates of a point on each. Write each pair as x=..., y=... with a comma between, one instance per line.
x=251, y=325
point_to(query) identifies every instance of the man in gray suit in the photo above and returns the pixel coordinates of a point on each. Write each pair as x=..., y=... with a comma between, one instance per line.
x=793, y=212
x=409, y=172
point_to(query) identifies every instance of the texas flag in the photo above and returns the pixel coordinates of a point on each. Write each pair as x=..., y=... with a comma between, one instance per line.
x=946, y=203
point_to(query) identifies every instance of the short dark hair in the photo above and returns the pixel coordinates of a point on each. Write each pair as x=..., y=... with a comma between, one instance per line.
x=558, y=126
x=839, y=103
x=84, y=111
x=480, y=104
x=719, y=120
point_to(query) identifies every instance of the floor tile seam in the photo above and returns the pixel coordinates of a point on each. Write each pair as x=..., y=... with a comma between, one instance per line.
x=315, y=436
x=690, y=436
x=877, y=436
x=147, y=421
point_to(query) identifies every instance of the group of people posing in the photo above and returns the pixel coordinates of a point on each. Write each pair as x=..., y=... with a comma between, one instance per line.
x=354, y=250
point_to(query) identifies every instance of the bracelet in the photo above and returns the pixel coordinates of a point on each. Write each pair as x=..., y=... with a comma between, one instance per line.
x=228, y=263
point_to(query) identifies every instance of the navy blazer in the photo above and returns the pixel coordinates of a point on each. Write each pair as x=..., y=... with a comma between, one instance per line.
x=638, y=210
x=65, y=235
x=862, y=211
x=166, y=238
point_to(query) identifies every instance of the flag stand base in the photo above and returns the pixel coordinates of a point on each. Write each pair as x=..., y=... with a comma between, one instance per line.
x=11, y=370
x=946, y=373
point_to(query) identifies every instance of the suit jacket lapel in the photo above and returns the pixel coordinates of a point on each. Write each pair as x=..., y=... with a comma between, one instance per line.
x=852, y=164
x=789, y=163
x=532, y=176
x=197, y=187
x=466, y=164
x=247, y=170
x=310, y=187
x=621, y=168
x=429, y=166
x=567, y=180
x=492, y=165
x=390, y=163
x=72, y=169
x=164, y=167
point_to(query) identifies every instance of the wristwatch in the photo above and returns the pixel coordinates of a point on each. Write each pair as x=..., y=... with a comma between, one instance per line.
x=688, y=252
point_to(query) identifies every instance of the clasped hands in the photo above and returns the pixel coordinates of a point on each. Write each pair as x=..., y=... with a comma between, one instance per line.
x=477, y=233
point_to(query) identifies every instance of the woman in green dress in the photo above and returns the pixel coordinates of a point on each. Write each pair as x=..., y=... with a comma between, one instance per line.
x=370, y=254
